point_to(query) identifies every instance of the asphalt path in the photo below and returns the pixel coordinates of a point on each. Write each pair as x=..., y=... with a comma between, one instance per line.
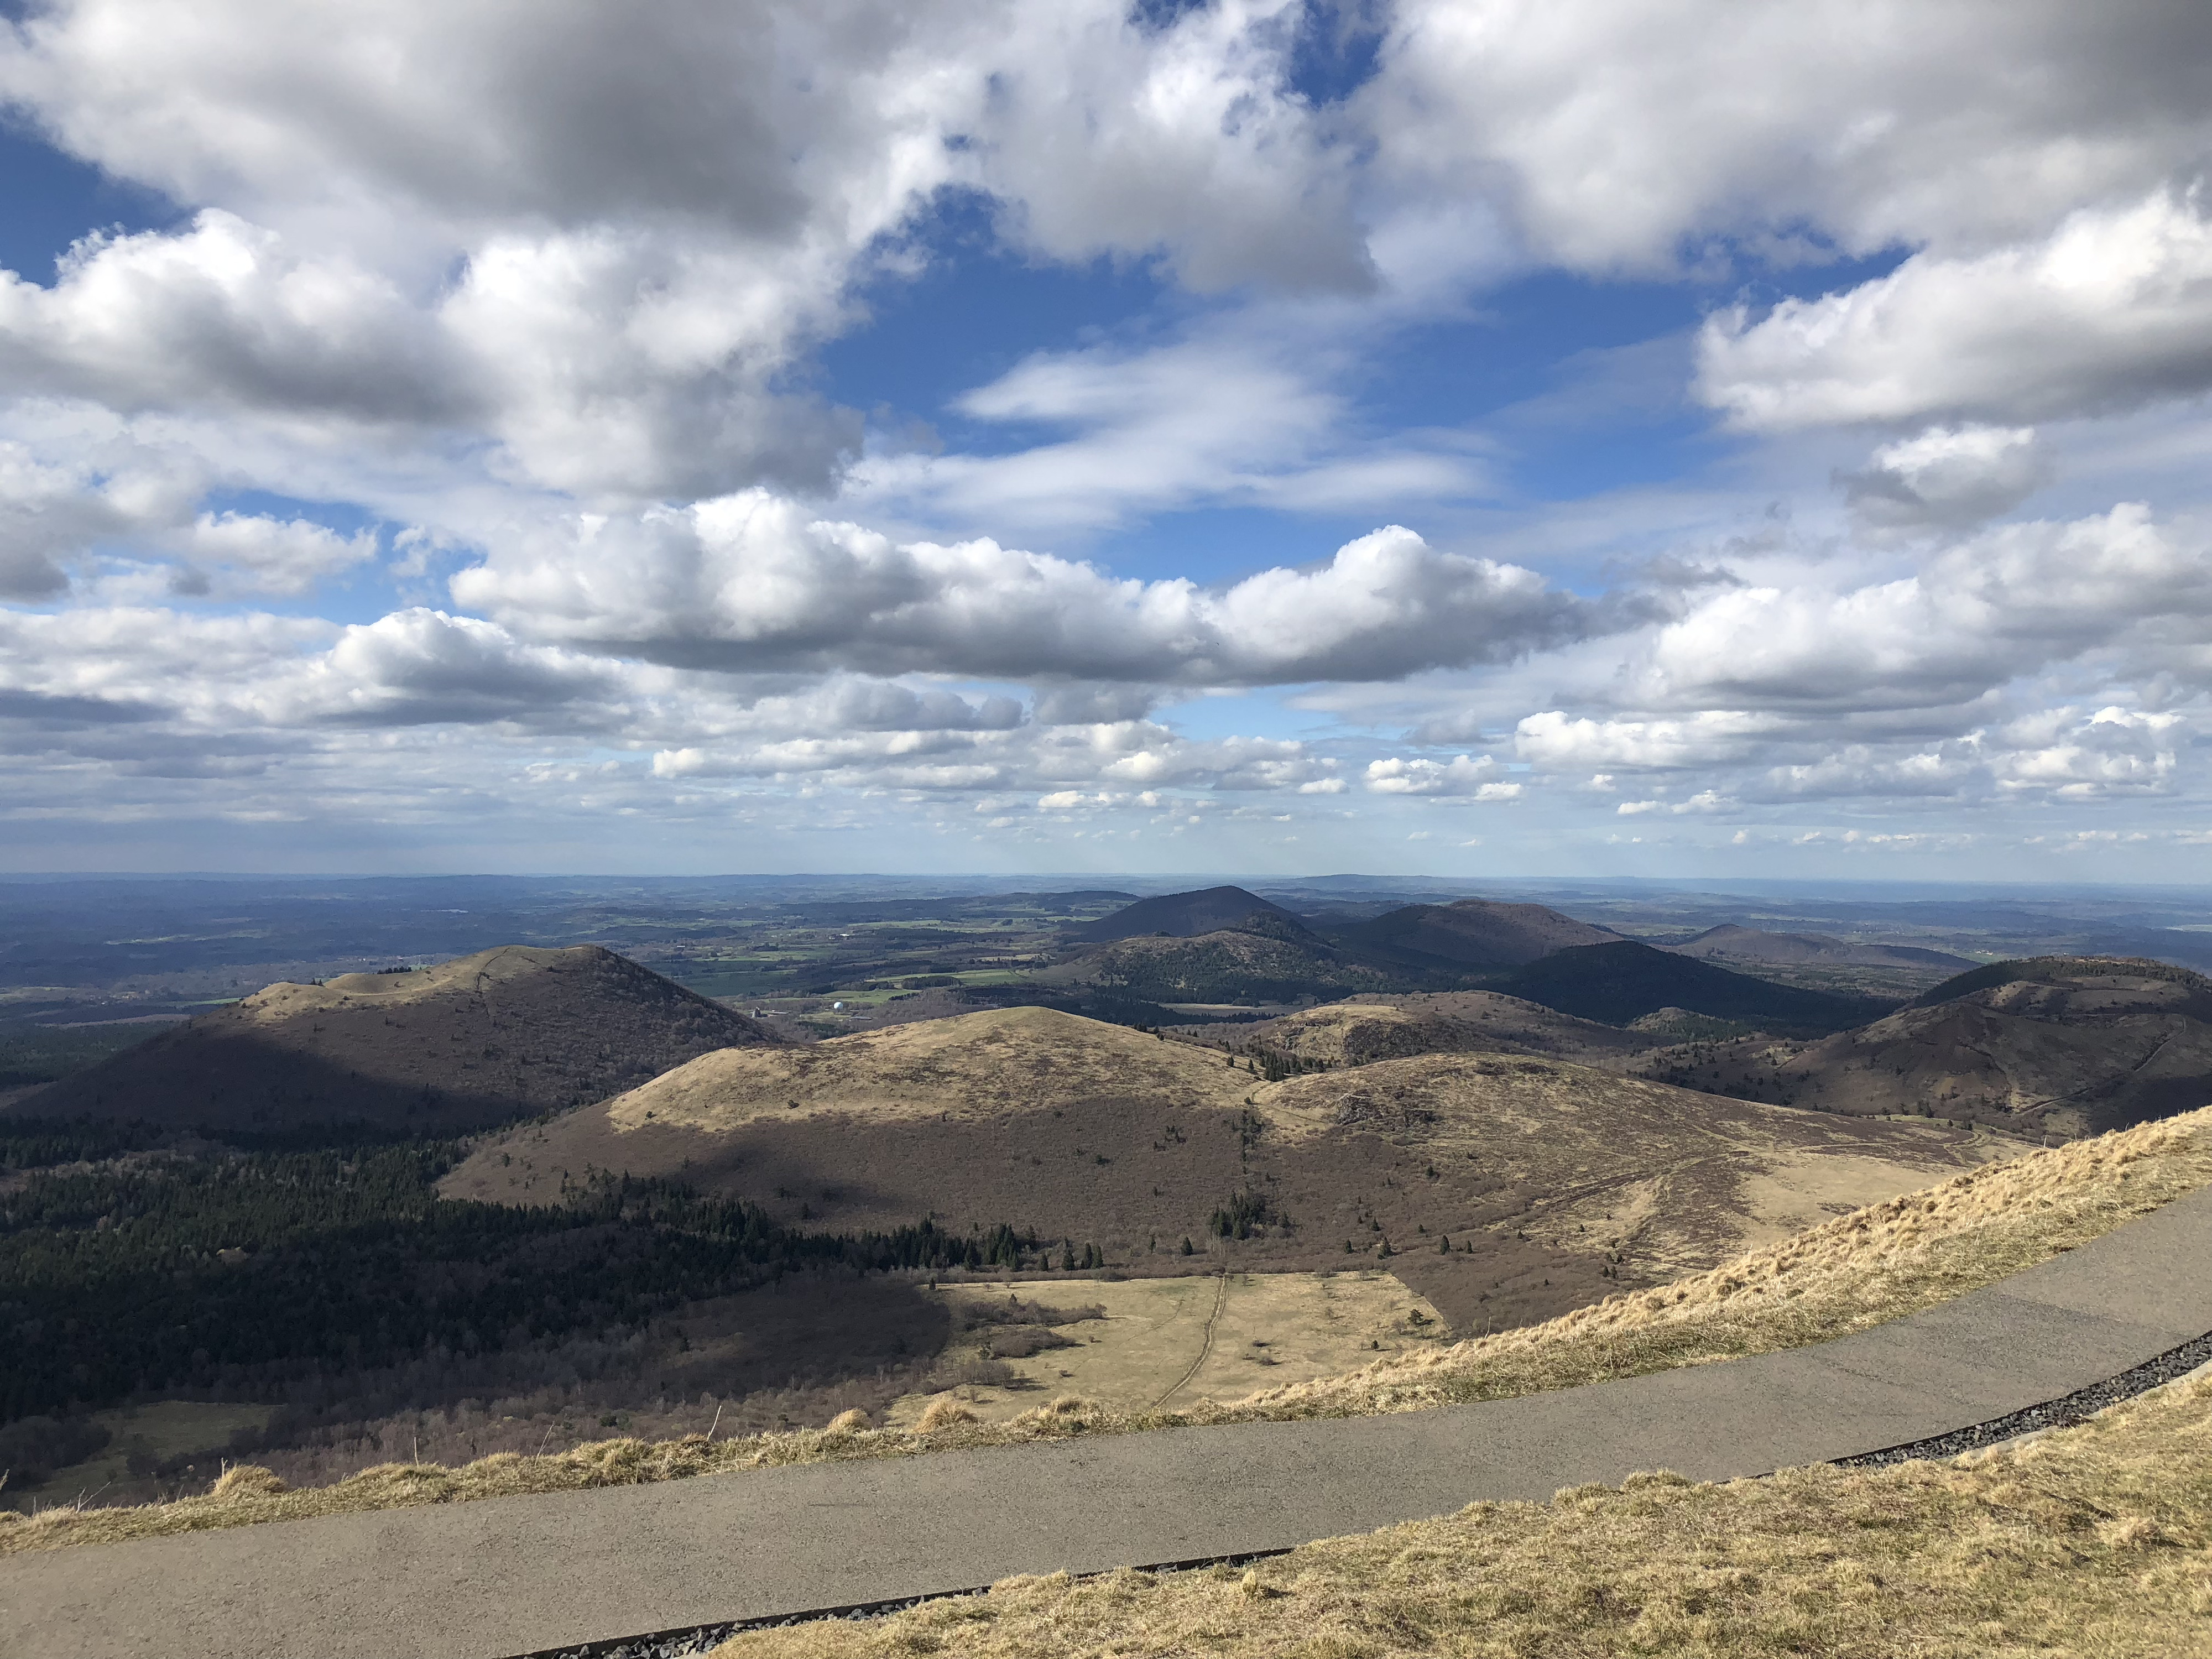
x=520, y=1575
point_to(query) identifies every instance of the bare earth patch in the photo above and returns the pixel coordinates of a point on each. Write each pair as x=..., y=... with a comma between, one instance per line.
x=1863, y=1269
x=2095, y=1540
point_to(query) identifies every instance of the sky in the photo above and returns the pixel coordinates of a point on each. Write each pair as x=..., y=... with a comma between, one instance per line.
x=1661, y=438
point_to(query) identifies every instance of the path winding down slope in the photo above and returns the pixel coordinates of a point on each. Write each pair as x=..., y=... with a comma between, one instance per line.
x=521, y=1574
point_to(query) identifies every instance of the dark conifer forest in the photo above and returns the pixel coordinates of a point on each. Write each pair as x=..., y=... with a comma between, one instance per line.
x=250, y=1269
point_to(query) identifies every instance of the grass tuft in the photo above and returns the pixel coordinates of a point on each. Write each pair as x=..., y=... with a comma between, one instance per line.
x=945, y=1412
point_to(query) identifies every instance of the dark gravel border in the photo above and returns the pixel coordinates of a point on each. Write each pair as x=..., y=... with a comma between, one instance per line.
x=703, y=1638
x=2073, y=1408
x=2063, y=1414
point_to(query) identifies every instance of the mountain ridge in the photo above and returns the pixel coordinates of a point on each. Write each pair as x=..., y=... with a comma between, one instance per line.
x=487, y=1038
x=1187, y=915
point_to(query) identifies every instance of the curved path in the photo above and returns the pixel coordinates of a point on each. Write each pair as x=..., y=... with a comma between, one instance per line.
x=521, y=1574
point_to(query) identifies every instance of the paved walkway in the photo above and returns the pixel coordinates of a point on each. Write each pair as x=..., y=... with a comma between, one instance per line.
x=519, y=1574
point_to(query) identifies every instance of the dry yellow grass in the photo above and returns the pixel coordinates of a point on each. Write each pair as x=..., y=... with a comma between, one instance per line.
x=289, y=1000
x=1360, y=1030
x=1164, y=1342
x=1876, y=1264
x=2095, y=1542
x=978, y=1065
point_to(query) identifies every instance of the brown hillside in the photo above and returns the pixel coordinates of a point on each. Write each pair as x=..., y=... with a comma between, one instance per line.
x=1477, y=933
x=1185, y=915
x=2085, y=1046
x=504, y=1034
x=1730, y=943
x=979, y=1065
x=1374, y=1027
x=1234, y=965
x=1555, y=1183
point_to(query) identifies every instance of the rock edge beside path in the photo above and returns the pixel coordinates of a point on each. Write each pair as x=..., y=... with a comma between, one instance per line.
x=519, y=1575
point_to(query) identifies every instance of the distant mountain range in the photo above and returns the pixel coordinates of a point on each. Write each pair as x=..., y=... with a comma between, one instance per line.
x=2069, y=1044
x=1729, y=943
x=1225, y=945
x=1473, y=932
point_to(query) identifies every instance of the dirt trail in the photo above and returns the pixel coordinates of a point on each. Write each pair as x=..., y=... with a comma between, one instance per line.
x=1205, y=1343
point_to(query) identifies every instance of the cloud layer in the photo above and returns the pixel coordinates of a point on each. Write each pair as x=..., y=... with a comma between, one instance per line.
x=461, y=446
x=751, y=583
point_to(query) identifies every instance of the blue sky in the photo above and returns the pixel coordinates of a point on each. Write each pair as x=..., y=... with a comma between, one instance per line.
x=1460, y=438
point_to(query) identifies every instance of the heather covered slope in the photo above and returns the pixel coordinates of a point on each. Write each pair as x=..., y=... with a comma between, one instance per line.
x=2058, y=1045
x=1554, y=1182
x=504, y=1034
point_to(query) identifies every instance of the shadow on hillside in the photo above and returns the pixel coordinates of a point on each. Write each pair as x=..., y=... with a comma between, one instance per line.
x=794, y=1352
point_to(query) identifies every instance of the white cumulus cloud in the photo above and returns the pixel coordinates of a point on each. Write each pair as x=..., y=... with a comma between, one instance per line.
x=753, y=582
x=2113, y=310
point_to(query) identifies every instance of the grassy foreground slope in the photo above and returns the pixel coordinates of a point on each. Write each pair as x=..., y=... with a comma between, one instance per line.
x=1876, y=1264
x=2090, y=1541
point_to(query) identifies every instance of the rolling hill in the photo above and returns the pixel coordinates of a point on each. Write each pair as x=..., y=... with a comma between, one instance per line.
x=1262, y=962
x=504, y=1034
x=1551, y=1179
x=1729, y=943
x=1622, y=981
x=1185, y=915
x=1471, y=932
x=2064, y=1046
x=1398, y=1026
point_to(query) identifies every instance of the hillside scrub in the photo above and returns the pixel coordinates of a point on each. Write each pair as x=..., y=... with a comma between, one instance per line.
x=1873, y=1265
x=2092, y=1540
